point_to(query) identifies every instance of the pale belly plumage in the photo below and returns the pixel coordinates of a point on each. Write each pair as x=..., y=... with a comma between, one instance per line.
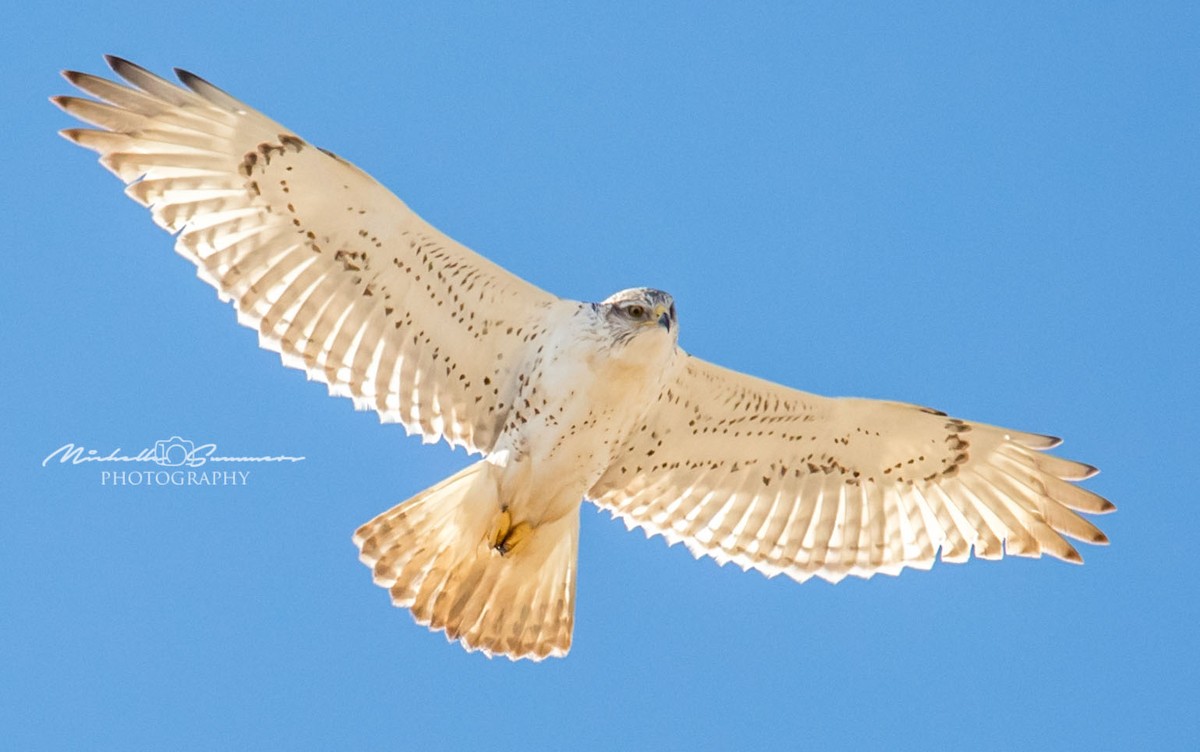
x=581, y=402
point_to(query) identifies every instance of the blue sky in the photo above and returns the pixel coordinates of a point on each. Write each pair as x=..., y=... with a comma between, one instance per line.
x=988, y=210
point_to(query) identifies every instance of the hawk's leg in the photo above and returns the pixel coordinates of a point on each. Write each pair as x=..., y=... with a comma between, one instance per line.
x=508, y=537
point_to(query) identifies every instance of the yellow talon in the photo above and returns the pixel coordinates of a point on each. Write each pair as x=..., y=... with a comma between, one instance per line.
x=514, y=539
x=502, y=529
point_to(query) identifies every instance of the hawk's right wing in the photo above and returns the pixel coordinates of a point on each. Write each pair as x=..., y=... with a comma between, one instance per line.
x=337, y=275
x=784, y=481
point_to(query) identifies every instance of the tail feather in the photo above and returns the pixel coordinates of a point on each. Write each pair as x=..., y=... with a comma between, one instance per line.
x=435, y=555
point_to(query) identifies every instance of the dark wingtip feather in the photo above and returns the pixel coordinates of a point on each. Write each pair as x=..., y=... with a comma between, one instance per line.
x=214, y=95
x=196, y=83
x=1038, y=441
x=122, y=67
x=189, y=79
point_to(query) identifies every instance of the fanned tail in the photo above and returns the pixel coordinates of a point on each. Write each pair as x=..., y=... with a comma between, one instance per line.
x=447, y=555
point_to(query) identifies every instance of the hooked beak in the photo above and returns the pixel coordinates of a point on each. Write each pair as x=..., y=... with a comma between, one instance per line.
x=664, y=317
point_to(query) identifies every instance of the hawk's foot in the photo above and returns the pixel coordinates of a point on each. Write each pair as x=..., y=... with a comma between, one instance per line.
x=509, y=537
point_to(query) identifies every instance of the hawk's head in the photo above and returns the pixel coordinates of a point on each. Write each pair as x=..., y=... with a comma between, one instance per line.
x=630, y=313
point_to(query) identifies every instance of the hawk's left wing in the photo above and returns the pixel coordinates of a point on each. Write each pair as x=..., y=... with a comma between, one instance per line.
x=338, y=276
x=780, y=480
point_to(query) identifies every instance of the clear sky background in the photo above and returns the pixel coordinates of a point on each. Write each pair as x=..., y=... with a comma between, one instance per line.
x=990, y=210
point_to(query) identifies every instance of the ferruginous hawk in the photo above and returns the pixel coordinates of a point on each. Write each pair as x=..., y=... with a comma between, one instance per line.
x=565, y=400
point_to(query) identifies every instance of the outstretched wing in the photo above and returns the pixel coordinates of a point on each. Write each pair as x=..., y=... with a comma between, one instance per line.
x=337, y=275
x=779, y=480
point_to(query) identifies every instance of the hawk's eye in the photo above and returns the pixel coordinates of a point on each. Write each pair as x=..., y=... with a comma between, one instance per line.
x=636, y=312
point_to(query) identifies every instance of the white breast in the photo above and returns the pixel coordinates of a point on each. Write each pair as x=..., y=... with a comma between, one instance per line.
x=581, y=400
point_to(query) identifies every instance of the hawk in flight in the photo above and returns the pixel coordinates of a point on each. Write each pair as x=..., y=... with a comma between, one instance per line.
x=564, y=400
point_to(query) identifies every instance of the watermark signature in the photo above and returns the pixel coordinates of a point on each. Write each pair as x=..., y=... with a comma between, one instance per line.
x=175, y=452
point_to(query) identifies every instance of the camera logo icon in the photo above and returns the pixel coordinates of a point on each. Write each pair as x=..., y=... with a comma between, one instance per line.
x=174, y=452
